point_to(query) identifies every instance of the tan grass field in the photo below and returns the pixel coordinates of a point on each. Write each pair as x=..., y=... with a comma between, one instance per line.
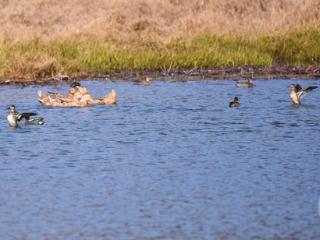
x=160, y=18
x=42, y=38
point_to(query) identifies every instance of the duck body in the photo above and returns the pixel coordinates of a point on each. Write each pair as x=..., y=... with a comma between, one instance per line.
x=65, y=101
x=297, y=93
x=248, y=84
x=146, y=82
x=294, y=97
x=234, y=103
x=34, y=121
x=14, y=117
x=12, y=120
x=77, y=97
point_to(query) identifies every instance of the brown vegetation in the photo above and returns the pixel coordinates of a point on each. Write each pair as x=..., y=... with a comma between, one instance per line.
x=164, y=18
x=43, y=39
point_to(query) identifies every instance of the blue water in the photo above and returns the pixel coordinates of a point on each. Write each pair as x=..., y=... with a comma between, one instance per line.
x=170, y=161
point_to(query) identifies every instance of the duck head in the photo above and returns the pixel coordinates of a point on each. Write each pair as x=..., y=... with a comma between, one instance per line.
x=12, y=108
x=75, y=84
x=293, y=87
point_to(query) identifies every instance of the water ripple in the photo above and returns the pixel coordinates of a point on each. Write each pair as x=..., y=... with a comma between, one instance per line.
x=170, y=161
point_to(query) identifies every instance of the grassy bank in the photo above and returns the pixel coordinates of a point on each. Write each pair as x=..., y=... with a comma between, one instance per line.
x=37, y=58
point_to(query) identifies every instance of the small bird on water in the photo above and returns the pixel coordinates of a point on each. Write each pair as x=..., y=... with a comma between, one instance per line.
x=297, y=93
x=248, y=76
x=235, y=102
x=14, y=117
x=248, y=83
x=146, y=82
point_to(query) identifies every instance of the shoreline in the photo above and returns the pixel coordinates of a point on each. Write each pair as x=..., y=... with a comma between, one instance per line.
x=218, y=73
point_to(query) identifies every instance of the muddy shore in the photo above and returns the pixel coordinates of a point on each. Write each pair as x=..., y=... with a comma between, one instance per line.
x=226, y=73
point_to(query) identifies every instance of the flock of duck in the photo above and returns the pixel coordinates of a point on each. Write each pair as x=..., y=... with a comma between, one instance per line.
x=296, y=93
x=79, y=96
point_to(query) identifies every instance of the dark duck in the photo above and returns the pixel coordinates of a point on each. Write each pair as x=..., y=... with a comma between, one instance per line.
x=235, y=102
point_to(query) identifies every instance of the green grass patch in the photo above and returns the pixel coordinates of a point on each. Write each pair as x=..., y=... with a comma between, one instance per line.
x=35, y=58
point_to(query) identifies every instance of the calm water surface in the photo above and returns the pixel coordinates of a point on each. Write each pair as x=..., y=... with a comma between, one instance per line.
x=170, y=161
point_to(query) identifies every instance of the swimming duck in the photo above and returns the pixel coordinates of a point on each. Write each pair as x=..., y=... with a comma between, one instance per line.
x=297, y=93
x=146, y=82
x=235, y=102
x=248, y=83
x=248, y=76
x=81, y=94
x=34, y=121
x=58, y=101
x=78, y=97
x=74, y=98
x=14, y=117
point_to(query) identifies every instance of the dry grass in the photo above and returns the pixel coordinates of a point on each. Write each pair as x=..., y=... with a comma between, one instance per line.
x=161, y=18
x=41, y=38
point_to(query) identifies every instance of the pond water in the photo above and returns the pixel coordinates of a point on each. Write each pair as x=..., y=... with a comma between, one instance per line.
x=170, y=161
